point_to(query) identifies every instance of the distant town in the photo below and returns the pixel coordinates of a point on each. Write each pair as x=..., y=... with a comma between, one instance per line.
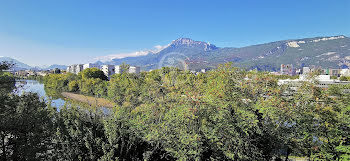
x=325, y=77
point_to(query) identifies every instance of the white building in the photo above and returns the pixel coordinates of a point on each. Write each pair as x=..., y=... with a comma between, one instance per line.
x=134, y=69
x=345, y=72
x=69, y=69
x=118, y=69
x=108, y=70
x=76, y=68
x=323, y=81
x=306, y=70
x=90, y=65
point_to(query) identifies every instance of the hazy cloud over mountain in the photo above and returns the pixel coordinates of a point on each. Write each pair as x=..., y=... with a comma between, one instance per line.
x=107, y=58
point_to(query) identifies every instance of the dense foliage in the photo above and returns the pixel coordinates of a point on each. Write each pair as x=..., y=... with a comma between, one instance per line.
x=91, y=81
x=169, y=114
x=344, y=78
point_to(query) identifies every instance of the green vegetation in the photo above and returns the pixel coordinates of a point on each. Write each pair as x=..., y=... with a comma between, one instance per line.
x=334, y=77
x=89, y=82
x=7, y=80
x=169, y=114
x=92, y=73
x=344, y=78
x=285, y=76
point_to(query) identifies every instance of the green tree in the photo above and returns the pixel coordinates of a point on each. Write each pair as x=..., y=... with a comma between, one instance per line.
x=6, y=65
x=124, y=89
x=124, y=67
x=344, y=78
x=25, y=128
x=7, y=80
x=79, y=133
x=73, y=86
x=92, y=73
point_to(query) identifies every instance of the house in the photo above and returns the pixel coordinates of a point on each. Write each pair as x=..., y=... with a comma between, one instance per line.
x=21, y=73
x=42, y=73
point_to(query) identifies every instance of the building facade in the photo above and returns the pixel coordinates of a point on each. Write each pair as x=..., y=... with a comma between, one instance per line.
x=322, y=81
x=332, y=72
x=76, y=68
x=108, y=70
x=345, y=72
x=134, y=69
x=90, y=65
x=118, y=69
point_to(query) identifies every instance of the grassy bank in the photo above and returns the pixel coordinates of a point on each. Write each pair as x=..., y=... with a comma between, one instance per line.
x=88, y=99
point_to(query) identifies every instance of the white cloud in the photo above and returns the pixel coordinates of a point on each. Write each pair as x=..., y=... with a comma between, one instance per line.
x=107, y=58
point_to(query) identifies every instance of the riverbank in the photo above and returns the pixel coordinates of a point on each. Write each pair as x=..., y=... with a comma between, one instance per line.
x=89, y=100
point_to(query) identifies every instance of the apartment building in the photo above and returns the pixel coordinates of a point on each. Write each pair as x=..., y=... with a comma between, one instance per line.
x=108, y=70
x=134, y=69
x=91, y=65
x=76, y=68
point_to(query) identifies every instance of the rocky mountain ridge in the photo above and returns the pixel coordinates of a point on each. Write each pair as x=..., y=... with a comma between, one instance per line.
x=326, y=52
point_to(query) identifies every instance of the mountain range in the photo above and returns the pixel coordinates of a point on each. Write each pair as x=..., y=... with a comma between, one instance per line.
x=185, y=53
x=326, y=52
x=18, y=65
x=22, y=66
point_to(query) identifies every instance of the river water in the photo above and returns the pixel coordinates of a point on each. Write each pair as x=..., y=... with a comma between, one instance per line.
x=34, y=86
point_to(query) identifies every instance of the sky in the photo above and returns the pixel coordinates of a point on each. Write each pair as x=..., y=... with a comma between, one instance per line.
x=42, y=32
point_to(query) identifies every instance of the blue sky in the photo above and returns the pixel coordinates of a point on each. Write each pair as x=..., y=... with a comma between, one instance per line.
x=42, y=32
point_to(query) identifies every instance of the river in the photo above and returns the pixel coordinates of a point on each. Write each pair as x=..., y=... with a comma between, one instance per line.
x=57, y=100
x=34, y=86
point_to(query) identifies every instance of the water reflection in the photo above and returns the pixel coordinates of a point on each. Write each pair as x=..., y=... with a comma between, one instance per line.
x=36, y=87
x=50, y=96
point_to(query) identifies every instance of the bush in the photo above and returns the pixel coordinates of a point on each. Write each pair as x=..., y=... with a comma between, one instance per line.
x=73, y=86
x=344, y=78
x=334, y=77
